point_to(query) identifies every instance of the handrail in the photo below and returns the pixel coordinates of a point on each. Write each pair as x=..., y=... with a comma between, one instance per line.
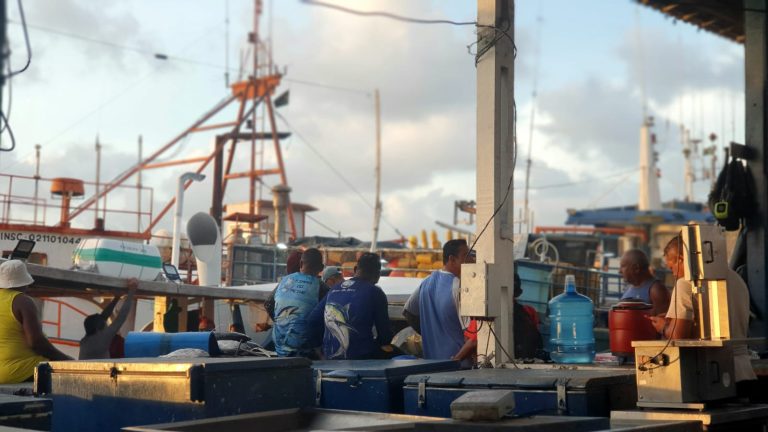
x=60, y=304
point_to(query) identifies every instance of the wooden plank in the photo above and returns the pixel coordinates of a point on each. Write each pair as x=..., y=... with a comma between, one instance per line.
x=54, y=282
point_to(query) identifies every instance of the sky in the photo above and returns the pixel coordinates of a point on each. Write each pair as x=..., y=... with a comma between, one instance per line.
x=93, y=74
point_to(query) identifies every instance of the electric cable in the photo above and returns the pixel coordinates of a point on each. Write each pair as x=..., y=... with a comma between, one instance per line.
x=387, y=15
x=10, y=134
x=501, y=345
x=26, y=42
x=10, y=99
x=681, y=247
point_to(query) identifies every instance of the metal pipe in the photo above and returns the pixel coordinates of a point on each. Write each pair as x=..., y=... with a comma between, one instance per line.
x=138, y=186
x=37, y=178
x=279, y=156
x=377, y=210
x=176, y=245
x=98, y=180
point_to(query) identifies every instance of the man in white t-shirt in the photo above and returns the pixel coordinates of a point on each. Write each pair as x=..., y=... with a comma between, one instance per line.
x=679, y=321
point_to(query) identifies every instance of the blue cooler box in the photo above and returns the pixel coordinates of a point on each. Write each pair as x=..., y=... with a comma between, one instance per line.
x=107, y=395
x=537, y=391
x=369, y=385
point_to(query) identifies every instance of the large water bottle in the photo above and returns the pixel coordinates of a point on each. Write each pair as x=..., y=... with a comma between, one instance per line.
x=572, y=336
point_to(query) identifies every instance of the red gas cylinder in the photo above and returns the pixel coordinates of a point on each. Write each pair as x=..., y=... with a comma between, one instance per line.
x=628, y=321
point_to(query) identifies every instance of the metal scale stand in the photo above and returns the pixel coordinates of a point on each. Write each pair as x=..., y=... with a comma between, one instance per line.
x=688, y=373
x=682, y=379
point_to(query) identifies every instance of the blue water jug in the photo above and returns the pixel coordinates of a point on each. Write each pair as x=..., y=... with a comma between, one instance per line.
x=572, y=336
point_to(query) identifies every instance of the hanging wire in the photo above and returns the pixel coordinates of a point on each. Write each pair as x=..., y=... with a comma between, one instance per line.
x=26, y=42
x=387, y=15
x=333, y=169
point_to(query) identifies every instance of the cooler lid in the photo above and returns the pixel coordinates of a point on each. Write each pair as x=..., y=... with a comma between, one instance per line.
x=384, y=368
x=524, y=378
x=632, y=305
x=174, y=366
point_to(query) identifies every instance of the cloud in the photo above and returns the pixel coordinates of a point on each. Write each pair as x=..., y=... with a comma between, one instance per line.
x=667, y=65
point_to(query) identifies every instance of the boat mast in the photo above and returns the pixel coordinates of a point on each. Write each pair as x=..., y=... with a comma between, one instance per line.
x=377, y=210
x=650, y=198
x=687, y=154
x=527, y=219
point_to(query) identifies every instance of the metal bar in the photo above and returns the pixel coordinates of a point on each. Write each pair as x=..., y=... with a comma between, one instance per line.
x=218, y=166
x=241, y=115
x=279, y=155
x=126, y=175
x=170, y=204
x=138, y=187
x=255, y=173
x=214, y=126
x=173, y=163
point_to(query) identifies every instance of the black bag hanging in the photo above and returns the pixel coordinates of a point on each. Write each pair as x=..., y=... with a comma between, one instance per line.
x=732, y=198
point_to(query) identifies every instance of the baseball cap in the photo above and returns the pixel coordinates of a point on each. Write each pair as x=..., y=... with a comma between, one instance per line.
x=330, y=272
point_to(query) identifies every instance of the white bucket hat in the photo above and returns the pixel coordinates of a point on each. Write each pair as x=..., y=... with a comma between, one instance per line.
x=14, y=274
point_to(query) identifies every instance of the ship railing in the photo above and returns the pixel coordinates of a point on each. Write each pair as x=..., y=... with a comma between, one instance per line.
x=61, y=306
x=23, y=202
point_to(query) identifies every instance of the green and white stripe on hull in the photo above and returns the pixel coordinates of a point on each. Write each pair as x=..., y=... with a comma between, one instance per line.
x=99, y=255
x=118, y=258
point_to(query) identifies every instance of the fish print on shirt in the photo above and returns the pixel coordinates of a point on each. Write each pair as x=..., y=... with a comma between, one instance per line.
x=336, y=321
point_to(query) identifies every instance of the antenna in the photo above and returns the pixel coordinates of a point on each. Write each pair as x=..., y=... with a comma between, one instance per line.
x=529, y=162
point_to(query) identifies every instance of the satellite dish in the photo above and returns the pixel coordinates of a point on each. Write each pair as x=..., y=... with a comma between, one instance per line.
x=205, y=238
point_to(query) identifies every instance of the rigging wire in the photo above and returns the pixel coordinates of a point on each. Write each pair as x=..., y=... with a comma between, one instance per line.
x=312, y=218
x=149, y=52
x=611, y=189
x=335, y=170
x=580, y=182
x=387, y=15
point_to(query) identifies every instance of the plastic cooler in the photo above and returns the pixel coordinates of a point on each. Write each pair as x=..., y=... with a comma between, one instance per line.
x=369, y=385
x=574, y=392
x=118, y=258
x=107, y=395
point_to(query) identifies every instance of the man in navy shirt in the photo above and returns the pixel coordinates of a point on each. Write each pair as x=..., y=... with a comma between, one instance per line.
x=345, y=318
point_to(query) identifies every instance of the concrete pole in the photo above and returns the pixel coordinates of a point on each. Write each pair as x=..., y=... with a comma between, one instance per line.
x=377, y=210
x=488, y=286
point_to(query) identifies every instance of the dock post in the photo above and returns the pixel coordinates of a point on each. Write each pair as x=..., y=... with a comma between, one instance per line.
x=487, y=287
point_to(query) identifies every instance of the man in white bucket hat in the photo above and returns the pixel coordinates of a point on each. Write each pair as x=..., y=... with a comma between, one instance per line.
x=23, y=342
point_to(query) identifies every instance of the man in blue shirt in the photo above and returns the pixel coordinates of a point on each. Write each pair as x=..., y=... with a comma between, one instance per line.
x=345, y=318
x=295, y=297
x=442, y=331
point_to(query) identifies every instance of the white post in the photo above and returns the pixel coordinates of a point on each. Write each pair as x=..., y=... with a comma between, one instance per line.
x=650, y=198
x=377, y=210
x=176, y=245
x=487, y=287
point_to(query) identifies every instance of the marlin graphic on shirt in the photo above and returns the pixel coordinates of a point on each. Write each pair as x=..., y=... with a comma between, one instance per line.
x=336, y=321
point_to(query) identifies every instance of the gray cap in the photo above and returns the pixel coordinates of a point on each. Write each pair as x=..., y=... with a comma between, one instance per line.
x=330, y=272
